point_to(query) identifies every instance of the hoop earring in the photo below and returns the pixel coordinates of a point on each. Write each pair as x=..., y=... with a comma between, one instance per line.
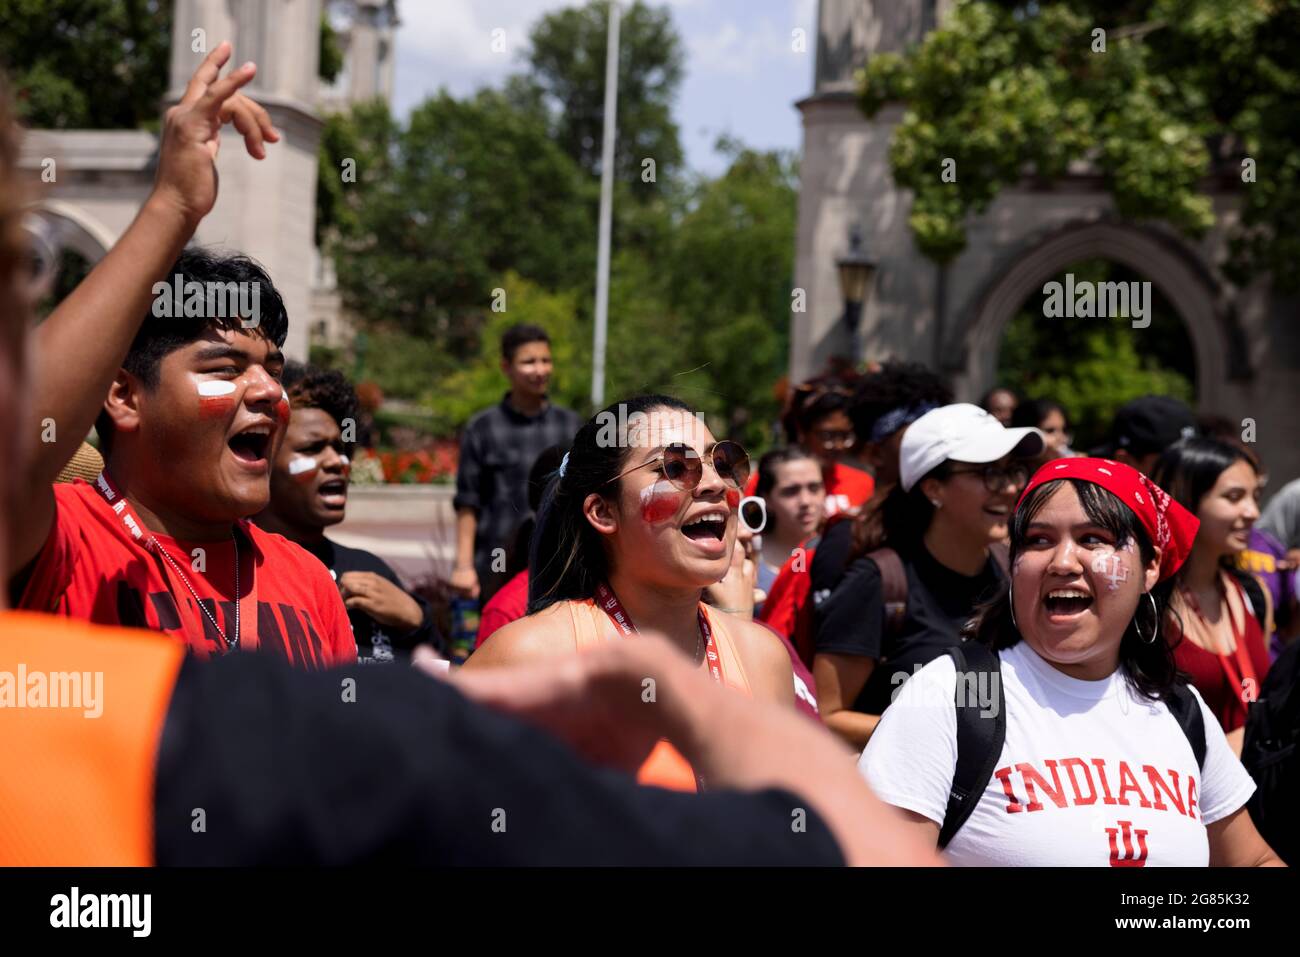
x=1155, y=622
x=1011, y=603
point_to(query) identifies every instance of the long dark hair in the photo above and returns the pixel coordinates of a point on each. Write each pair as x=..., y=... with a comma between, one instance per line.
x=1148, y=666
x=1189, y=468
x=895, y=518
x=568, y=558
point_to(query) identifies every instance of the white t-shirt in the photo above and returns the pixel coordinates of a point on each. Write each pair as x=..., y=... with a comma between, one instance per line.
x=1090, y=773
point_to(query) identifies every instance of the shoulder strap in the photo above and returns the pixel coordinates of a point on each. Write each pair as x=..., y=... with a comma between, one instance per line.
x=980, y=734
x=1182, y=704
x=893, y=587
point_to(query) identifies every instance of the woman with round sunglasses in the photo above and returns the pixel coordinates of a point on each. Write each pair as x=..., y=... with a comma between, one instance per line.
x=635, y=528
x=1103, y=757
x=924, y=556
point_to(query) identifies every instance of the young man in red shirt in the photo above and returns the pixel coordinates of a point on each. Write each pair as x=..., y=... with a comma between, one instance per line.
x=184, y=377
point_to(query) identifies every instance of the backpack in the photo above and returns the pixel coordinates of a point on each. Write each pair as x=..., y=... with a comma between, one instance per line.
x=980, y=739
x=893, y=582
x=1271, y=755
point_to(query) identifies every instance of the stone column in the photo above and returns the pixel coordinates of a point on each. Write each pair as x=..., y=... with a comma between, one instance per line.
x=265, y=209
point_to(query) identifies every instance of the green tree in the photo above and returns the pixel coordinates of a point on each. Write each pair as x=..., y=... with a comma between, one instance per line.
x=566, y=82
x=707, y=318
x=479, y=383
x=469, y=189
x=86, y=64
x=1014, y=88
x=1093, y=366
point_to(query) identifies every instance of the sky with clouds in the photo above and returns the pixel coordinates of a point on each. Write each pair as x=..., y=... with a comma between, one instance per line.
x=742, y=75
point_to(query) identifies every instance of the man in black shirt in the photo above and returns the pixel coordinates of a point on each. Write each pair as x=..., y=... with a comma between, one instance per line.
x=309, y=493
x=497, y=449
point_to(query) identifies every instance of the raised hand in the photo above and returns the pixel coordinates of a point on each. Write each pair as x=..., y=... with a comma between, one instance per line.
x=187, y=172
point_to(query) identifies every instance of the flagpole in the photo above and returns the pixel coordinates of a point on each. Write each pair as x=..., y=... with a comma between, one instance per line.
x=606, y=209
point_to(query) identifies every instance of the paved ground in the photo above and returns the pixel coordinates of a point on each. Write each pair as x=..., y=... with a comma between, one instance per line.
x=413, y=528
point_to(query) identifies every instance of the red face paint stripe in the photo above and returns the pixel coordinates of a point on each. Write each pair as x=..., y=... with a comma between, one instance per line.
x=660, y=506
x=733, y=498
x=215, y=407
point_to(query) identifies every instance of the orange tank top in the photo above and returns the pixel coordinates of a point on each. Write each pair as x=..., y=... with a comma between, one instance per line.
x=665, y=767
x=81, y=711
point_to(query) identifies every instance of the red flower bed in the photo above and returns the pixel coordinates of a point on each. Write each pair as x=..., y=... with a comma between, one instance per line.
x=435, y=461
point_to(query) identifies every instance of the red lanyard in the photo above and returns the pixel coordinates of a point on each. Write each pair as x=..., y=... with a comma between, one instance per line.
x=607, y=600
x=1241, y=673
x=109, y=492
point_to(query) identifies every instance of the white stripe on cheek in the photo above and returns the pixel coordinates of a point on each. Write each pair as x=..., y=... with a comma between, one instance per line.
x=300, y=464
x=211, y=388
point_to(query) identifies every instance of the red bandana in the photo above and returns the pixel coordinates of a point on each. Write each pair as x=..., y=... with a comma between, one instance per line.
x=1170, y=526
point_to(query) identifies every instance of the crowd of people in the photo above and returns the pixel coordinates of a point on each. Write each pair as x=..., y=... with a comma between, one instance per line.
x=919, y=625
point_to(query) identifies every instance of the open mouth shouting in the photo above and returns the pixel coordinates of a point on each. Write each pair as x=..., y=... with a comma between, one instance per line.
x=251, y=445
x=333, y=494
x=708, y=530
x=1064, y=605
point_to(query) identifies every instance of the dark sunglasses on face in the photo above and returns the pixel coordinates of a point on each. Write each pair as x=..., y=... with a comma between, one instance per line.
x=996, y=477
x=683, y=467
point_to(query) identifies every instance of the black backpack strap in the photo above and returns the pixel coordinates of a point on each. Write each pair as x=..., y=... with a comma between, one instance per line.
x=1182, y=704
x=893, y=587
x=979, y=736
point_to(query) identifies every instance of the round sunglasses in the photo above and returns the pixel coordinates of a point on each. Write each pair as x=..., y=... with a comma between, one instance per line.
x=683, y=467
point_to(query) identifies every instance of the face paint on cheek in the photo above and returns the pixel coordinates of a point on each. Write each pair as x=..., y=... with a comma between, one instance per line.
x=733, y=498
x=659, y=503
x=216, y=398
x=1111, y=567
x=302, y=468
x=282, y=409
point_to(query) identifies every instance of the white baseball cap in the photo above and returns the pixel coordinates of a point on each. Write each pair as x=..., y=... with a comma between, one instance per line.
x=963, y=432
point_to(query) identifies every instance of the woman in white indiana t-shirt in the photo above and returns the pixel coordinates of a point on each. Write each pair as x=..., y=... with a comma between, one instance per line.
x=1095, y=769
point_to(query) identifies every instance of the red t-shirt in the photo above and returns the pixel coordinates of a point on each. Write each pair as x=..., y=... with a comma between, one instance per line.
x=787, y=610
x=91, y=567
x=509, y=604
x=846, y=488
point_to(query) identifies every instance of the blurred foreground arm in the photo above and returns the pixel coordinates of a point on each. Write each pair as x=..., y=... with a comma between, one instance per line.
x=597, y=702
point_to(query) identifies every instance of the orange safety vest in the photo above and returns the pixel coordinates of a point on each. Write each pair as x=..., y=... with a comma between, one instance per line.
x=82, y=708
x=665, y=767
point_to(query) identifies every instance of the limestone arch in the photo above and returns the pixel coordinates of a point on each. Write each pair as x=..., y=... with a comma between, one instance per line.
x=73, y=228
x=1199, y=299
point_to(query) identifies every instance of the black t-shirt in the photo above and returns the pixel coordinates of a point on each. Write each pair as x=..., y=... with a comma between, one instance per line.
x=830, y=560
x=289, y=769
x=939, y=602
x=376, y=643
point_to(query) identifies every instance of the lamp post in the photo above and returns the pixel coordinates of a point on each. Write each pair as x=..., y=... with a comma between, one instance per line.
x=856, y=272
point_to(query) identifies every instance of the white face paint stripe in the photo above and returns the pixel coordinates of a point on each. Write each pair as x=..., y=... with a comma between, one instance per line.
x=345, y=460
x=210, y=388
x=301, y=463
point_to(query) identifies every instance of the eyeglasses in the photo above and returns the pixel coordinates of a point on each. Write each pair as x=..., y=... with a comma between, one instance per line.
x=996, y=477
x=834, y=438
x=683, y=467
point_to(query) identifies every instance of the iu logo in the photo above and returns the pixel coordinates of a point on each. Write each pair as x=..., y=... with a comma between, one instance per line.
x=1128, y=860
